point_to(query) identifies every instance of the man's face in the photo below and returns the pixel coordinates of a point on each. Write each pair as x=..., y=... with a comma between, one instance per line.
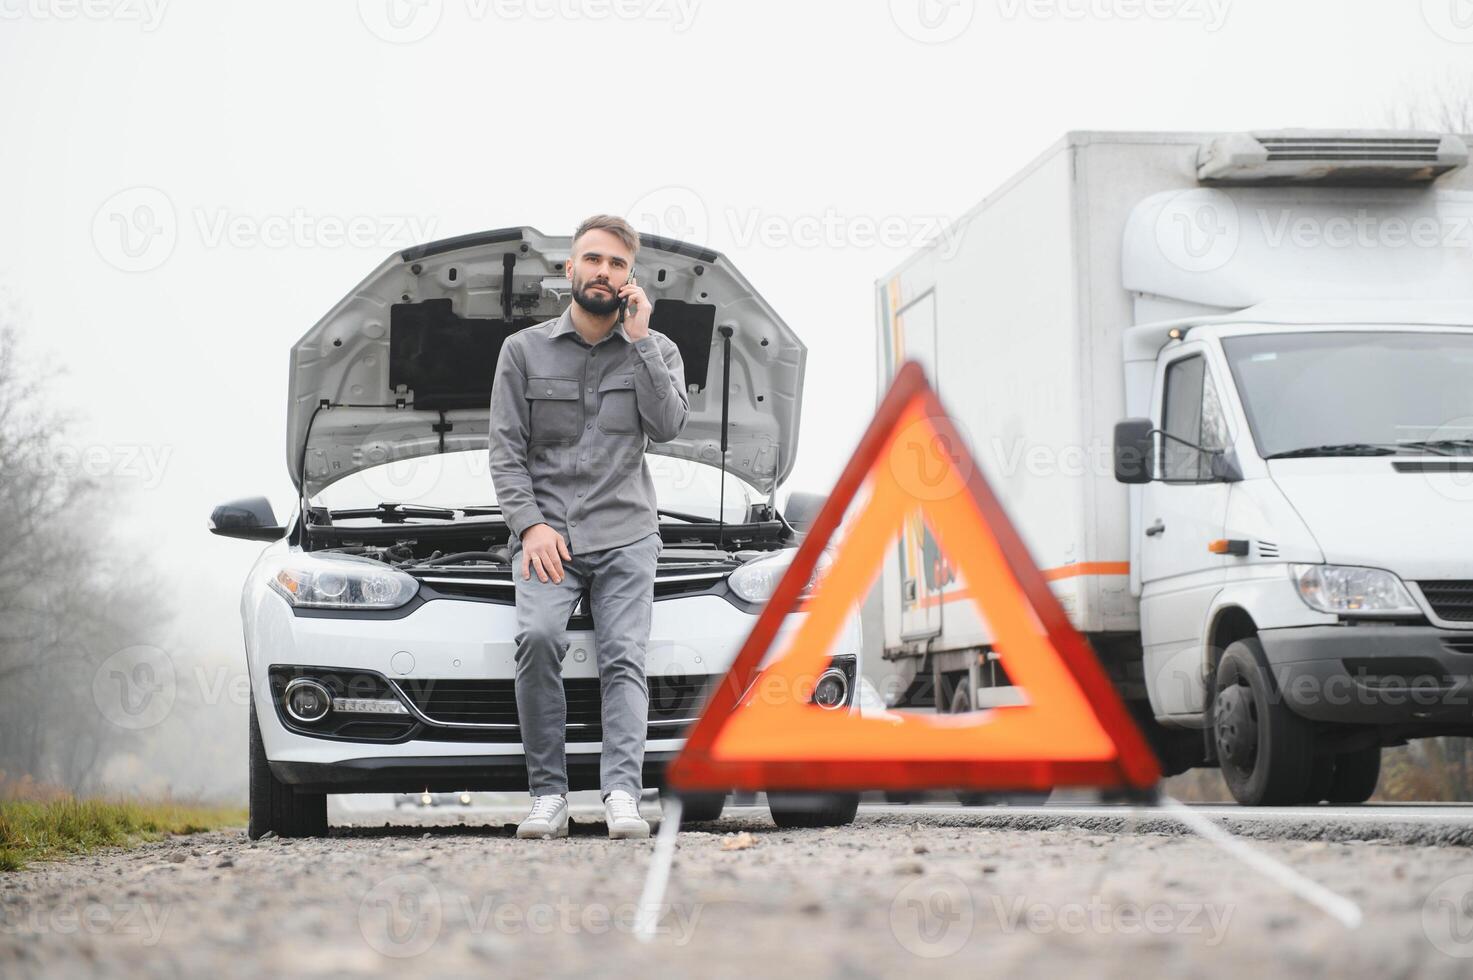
x=600, y=265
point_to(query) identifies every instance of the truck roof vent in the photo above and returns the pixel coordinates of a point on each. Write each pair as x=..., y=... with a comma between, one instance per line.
x=1364, y=157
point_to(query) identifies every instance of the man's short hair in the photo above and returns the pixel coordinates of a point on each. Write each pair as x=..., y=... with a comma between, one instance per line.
x=614, y=225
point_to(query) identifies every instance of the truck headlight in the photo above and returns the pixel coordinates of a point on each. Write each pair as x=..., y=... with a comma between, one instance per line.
x=342, y=582
x=757, y=580
x=1348, y=590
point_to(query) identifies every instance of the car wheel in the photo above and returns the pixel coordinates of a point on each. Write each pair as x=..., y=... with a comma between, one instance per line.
x=1356, y=775
x=699, y=807
x=1266, y=751
x=813, y=809
x=275, y=806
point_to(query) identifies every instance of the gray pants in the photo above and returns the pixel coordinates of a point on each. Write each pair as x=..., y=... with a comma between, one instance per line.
x=620, y=582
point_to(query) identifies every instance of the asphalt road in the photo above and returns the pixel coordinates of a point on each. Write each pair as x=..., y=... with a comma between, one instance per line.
x=908, y=890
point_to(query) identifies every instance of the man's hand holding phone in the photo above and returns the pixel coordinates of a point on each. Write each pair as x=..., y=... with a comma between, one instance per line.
x=543, y=551
x=637, y=308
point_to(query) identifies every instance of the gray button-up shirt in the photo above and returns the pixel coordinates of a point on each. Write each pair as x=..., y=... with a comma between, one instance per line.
x=569, y=426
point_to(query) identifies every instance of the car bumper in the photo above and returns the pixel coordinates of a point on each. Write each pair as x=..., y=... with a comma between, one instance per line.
x=452, y=640
x=446, y=774
x=1374, y=675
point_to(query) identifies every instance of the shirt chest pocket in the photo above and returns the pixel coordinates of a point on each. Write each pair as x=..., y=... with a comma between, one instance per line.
x=617, y=409
x=557, y=411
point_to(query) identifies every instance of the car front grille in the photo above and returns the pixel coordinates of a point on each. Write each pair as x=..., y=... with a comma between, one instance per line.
x=1450, y=599
x=486, y=710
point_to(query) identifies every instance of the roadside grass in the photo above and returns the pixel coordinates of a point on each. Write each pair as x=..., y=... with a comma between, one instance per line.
x=34, y=830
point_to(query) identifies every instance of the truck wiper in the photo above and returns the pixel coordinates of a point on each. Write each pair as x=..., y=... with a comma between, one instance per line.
x=1436, y=445
x=1354, y=449
x=396, y=513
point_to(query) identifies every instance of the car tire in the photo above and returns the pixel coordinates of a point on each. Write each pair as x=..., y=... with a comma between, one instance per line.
x=700, y=807
x=275, y=806
x=813, y=809
x=1356, y=775
x=1265, y=751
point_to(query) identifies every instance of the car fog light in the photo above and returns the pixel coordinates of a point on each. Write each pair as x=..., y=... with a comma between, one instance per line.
x=307, y=701
x=832, y=689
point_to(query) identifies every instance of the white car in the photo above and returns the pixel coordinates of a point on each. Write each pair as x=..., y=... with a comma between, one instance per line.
x=379, y=622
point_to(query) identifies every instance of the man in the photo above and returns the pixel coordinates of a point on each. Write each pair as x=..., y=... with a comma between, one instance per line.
x=574, y=403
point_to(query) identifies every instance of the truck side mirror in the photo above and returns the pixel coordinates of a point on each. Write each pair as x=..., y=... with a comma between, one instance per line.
x=1135, y=450
x=802, y=509
x=249, y=518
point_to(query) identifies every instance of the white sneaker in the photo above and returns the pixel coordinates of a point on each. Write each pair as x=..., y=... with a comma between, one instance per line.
x=621, y=811
x=548, y=819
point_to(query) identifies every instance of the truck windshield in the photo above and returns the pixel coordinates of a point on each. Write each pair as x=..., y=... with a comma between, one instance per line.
x=1355, y=392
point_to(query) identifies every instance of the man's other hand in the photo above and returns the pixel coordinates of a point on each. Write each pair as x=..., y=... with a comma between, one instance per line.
x=543, y=551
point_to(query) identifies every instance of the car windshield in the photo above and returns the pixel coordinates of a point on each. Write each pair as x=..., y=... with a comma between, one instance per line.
x=463, y=479
x=1355, y=392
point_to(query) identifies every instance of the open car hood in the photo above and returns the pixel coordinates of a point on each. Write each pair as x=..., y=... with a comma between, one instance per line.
x=402, y=366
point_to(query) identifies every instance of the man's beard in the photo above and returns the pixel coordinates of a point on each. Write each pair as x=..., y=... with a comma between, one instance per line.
x=597, y=303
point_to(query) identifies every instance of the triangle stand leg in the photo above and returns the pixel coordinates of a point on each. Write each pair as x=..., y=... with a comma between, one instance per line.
x=652, y=899
x=1337, y=907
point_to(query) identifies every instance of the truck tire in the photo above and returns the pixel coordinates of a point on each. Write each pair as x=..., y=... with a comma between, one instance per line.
x=813, y=809
x=699, y=807
x=275, y=806
x=1356, y=775
x=1265, y=751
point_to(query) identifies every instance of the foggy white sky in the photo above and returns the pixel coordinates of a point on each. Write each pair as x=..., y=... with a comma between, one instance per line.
x=758, y=121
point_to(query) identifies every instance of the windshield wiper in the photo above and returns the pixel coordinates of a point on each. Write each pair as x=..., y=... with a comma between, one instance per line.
x=396, y=513
x=1438, y=445
x=688, y=518
x=1356, y=449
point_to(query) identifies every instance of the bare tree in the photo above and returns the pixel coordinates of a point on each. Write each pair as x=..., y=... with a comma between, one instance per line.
x=1443, y=106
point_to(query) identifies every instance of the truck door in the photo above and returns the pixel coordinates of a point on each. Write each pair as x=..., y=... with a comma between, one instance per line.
x=1181, y=513
x=923, y=570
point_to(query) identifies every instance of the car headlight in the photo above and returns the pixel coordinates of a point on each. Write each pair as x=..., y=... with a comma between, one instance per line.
x=757, y=580
x=1348, y=590
x=342, y=582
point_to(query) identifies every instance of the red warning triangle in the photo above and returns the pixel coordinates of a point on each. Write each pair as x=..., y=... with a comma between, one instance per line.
x=757, y=732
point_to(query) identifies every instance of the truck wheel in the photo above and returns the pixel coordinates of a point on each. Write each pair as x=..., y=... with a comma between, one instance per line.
x=813, y=809
x=700, y=807
x=1356, y=775
x=275, y=806
x=1265, y=750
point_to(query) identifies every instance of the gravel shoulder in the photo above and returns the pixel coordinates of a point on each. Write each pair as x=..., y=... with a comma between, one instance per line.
x=892, y=894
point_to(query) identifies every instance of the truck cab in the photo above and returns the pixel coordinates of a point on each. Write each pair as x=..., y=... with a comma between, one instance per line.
x=1301, y=543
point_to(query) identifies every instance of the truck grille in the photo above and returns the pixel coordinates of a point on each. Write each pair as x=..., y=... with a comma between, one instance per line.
x=1450, y=599
x=464, y=705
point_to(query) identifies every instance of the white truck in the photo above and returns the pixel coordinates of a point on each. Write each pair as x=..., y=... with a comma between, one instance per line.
x=1223, y=383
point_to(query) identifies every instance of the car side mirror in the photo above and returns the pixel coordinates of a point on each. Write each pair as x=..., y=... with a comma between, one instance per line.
x=803, y=509
x=249, y=518
x=1135, y=450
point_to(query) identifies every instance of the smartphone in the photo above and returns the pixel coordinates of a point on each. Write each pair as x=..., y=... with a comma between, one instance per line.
x=624, y=303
